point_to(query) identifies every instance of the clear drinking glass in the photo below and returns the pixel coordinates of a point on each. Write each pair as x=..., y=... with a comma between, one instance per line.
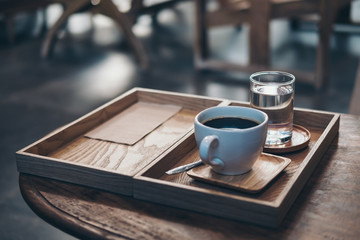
x=273, y=93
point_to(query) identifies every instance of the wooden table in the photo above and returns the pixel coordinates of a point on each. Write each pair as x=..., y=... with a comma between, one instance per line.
x=327, y=208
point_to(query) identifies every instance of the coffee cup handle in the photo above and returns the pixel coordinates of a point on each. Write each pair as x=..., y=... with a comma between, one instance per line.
x=207, y=144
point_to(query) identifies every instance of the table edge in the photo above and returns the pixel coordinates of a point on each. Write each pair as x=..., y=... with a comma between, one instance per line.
x=57, y=218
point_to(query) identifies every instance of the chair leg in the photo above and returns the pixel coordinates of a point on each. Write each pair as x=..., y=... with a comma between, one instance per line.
x=201, y=47
x=327, y=18
x=355, y=98
x=107, y=7
x=136, y=5
x=70, y=9
x=259, y=32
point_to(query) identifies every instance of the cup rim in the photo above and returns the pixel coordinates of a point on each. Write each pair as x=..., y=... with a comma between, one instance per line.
x=266, y=118
x=272, y=73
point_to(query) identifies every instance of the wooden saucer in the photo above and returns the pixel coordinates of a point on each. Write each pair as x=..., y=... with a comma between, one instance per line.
x=265, y=169
x=300, y=139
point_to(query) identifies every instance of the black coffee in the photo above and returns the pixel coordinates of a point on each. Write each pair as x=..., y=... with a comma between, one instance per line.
x=230, y=122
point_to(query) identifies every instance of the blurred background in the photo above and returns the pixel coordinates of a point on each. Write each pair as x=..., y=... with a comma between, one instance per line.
x=49, y=78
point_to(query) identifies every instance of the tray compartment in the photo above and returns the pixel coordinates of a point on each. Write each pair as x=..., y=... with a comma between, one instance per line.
x=266, y=208
x=67, y=155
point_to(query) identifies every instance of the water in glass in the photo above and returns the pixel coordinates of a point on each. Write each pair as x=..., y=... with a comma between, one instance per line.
x=276, y=101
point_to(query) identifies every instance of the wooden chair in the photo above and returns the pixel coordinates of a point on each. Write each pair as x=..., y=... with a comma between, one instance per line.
x=125, y=20
x=355, y=98
x=105, y=7
x=258, y=14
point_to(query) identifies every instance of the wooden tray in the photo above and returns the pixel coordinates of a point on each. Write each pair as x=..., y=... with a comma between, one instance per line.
x=266, y=208
x=66, y=154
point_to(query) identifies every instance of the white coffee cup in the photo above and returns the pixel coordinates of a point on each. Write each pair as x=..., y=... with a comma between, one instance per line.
x=230, y=151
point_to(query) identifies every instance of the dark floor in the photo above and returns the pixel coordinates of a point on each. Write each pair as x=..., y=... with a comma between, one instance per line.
x=91, y=64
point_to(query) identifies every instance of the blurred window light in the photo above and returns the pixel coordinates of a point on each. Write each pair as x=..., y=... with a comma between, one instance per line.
x=355, y=11
x=143, y=26
x=108, y=78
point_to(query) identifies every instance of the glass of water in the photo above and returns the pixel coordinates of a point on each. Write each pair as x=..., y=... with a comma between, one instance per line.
x=273, y=93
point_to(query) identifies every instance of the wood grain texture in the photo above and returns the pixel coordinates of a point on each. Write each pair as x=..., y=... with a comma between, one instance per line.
x=124, y=158
x=328, y=207
x=66, y=154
